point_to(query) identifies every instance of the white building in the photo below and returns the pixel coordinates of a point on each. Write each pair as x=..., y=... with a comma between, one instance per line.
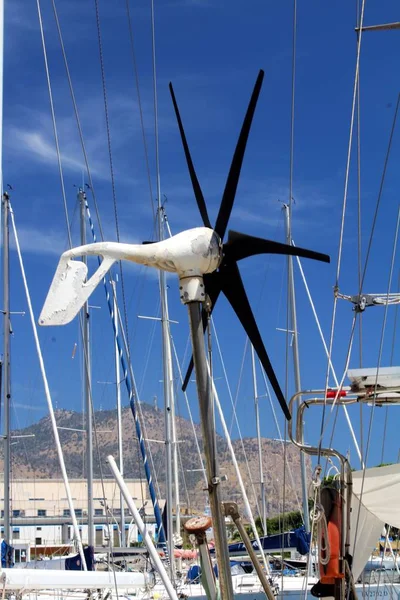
x=41, y=519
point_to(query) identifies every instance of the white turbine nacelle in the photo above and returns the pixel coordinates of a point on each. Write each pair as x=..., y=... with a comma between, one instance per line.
x=190, y=254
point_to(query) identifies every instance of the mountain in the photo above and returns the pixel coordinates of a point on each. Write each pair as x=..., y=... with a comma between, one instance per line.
x=37, y=457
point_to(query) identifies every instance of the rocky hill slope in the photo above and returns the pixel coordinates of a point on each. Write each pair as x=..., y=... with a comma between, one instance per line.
x=36, y=457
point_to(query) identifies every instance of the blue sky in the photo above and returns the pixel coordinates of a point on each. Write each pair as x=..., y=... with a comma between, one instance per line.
x=211, y=51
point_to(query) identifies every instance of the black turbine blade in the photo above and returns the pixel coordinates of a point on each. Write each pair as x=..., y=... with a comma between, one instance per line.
x=240, y=245
x=232, y=287
x=228, y=197
x=212, y=283
x=189, y=372
x=195, y=182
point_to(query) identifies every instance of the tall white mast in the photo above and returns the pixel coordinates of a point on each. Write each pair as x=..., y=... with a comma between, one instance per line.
x=260, y=462
x=119, y=410
x=174, y=440
x=170, y=441
x=77, y=535
x=6, y=305
x=87, y=385
x=296, y=363
x=167, y=357
x=6, y=369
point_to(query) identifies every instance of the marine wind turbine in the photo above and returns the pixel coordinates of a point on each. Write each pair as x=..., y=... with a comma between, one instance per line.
x=206, y=267
x=226, y=278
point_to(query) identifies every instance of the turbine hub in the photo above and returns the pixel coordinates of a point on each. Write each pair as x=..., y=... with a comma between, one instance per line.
x=192, y=253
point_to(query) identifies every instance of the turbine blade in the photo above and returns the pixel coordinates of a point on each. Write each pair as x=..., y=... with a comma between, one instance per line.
x=232, y=287
x=228, y=197
x=212, y=284
x=195, y=182
x=189, y=372
x=240, y=245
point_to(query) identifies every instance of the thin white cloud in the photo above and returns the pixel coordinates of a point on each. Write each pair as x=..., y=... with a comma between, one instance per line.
x=28, y=406
x=40, y=241
x=38, y=146
x=37, y=240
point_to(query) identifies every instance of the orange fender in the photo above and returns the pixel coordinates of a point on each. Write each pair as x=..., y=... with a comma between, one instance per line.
x=331, y=571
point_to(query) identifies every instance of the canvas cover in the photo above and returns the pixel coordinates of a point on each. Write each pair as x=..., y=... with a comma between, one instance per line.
x=379, y=491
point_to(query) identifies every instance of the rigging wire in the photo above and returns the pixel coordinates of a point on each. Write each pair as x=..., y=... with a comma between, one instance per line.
x=45, y=382
x=378, y=202
x=359, y=224
x=180, y=379
x=79, y=126
x=149, y=348
x=85, y=156
x=77, y=118
x=257, y=308
x=136, y=73
x=136, y=406
x=344, y=205
x=53, y=118
x=353, y=435
x=255, y=496
x=380, y=352
x=110, y=157
x=64, y=201
x=391, y=364
x=278, y=429
x=196, y=438
x=382, y=182
x=155, y=102
x=289, y=299
x=291, y=160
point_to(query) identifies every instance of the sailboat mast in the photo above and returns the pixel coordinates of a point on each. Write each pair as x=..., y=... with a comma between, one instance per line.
x=6, y=368
x=87, y=384
x=260, y=462
x=174, y=440
x=119, y=411
x=168, y=398
x=296, y=362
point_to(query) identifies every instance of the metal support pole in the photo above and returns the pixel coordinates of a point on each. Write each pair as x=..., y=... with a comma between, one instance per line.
x=231, y=509
x=6, y=369
x=296, y=363
x=260, y=462
x=119, y=414
x=209, y=440
x=143, y=530
x=87, y=384
x=346, y=481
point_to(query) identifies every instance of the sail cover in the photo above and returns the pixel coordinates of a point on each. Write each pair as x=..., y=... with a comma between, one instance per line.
x=69, y=563
x=379, y=491
x=297, y=538
x=7, y=555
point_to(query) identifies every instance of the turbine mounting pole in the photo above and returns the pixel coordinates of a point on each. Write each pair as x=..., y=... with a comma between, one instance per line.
x=204, y=391
x=296, y=363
